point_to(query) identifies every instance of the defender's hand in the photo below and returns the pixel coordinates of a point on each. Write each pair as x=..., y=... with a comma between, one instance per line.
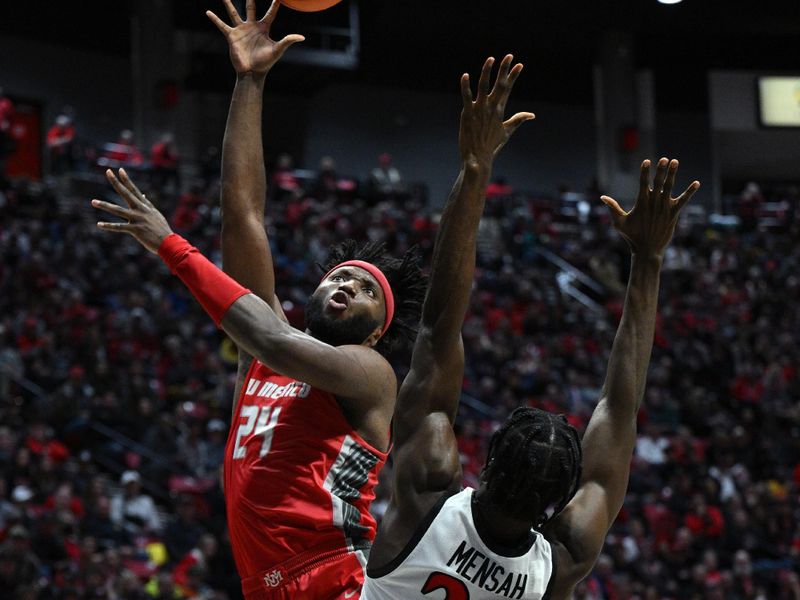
x=483, y=131
x=251, y=48
x=145, y=222
x=649, y=225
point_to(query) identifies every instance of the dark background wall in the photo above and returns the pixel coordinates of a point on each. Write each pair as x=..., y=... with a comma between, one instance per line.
x=355, y=122
x=97, y=85
x=742, y=148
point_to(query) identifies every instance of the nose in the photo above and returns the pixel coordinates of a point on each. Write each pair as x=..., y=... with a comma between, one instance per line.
x=348, y=288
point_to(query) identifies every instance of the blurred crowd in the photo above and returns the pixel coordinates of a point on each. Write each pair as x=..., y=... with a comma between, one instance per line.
x=115, y=387
x=713, y=509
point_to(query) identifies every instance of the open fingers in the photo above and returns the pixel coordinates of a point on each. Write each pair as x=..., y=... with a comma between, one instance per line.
x=129, y=197
x=283, y=45
x=508, y=86
x=513, y=75
x=221, y=25
x=613, y=207
x=644, y=179
x=114, y=209
x=128, y=183
x=669, y=183
x=681, y=200
x=116, y=227
x=250, y=10
x=661, y=175
x=501, y=83
x=232, y=12
x=483, y=82
x=466, y=90
x=518, y=119
x=269, y=16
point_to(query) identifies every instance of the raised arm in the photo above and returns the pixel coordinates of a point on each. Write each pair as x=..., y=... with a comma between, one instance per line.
x=580, y=530
x=426, y=452
x=352, y=373
x=245, y=249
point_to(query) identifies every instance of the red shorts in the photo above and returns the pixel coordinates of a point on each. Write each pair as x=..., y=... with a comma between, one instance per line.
x=333, y=575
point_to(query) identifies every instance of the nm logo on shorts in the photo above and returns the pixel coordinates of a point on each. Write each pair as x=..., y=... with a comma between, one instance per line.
x=273, y=578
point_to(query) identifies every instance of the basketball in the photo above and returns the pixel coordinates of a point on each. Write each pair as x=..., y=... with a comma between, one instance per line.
x=310, y=5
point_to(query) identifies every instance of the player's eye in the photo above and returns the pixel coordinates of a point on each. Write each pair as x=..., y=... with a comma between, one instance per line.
x=369, y=291
x=337, y=278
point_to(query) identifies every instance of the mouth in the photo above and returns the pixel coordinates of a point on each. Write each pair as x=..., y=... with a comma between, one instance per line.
x=339, y=301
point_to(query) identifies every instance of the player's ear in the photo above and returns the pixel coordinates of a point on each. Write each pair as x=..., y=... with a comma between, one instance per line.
x=374, y=336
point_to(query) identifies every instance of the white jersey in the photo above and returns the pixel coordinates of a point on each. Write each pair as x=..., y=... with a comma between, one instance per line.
x=446, y=559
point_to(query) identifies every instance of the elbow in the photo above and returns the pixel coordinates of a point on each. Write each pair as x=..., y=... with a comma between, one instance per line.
x=622, y=413
x=441, y=338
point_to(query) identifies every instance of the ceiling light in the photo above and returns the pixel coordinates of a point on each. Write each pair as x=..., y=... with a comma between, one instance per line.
x=669, y=1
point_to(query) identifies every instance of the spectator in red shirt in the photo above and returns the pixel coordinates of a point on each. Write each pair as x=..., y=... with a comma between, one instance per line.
x=196, y=560
x=6, y=112
x=60, y=142
x=164, y=160
x=64, y=501
x=704, y=520
x=6, y=141
x=41, y=442
x=186, y=215
x=124, y=152
x=498, y=188
x=284, y=181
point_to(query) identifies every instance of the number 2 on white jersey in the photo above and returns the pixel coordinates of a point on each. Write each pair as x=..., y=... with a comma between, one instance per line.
x=261, y=418
x=453, y=588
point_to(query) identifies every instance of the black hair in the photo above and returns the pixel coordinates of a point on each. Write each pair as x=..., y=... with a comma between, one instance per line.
x=533, y=463
x=408, y=284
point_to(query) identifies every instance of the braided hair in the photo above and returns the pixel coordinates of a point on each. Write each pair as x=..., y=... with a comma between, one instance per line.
x=533, y=463
x=408, y=284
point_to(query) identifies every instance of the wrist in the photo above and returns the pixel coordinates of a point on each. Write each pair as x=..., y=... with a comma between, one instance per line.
x=171, y=247
x=654, y=259
x=215, y=290
x=251, y=77
x=476, y=166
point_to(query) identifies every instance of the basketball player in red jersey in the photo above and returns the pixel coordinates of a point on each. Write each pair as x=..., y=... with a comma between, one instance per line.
x=311, y=417
x=312, y=411
x=546, y=500
x=311, y=426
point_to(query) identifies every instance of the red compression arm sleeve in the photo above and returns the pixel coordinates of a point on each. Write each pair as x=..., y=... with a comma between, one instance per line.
x=214, y=290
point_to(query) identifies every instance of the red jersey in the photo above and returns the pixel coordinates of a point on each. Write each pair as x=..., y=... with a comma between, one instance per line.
x=297, y=475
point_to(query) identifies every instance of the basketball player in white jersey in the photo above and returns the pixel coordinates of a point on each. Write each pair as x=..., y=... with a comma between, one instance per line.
x=537, y=523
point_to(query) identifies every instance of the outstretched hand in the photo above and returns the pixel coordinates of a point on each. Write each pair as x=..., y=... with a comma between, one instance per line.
x=251, y=48
x=483, y=131
x=648, y=227
x=144, y=221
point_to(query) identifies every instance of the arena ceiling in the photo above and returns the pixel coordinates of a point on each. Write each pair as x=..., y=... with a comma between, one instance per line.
x=430, y=43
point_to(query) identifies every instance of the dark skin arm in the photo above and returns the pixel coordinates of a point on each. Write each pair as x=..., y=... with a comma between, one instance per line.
x=360, y=378
x=426, y=454
x=579, y=532
x=246, y=255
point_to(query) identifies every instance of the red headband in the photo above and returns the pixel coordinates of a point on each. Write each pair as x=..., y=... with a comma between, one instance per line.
x=382, y=281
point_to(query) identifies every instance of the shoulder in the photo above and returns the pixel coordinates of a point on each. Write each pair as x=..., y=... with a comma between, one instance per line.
x=364, y=354
x=372, y=365
x=573, y=554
